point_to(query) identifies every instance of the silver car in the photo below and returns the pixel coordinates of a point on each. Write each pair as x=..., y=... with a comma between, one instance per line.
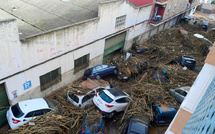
x=81, y=99
x=180, y=93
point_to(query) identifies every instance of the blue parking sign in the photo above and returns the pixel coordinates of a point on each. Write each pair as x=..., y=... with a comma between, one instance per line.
x=27, y=85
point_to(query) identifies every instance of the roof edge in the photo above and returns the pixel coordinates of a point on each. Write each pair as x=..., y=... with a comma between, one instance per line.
x=6, y=20
x=59, y=28
x=111, y=1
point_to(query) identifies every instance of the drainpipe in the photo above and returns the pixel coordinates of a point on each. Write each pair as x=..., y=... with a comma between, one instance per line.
x=152, y=11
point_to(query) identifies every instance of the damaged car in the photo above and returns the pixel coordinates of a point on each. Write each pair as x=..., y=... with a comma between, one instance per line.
x=99, y=71
x=80, y=98
x=180, y=93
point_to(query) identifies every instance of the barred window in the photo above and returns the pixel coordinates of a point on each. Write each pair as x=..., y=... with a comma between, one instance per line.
x=180, y=6
x=168, y=10
x=120, y=21
x=50, y=79
x=174, y=8
x=81, y=63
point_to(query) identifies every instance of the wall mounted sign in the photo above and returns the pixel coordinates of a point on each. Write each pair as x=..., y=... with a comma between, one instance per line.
x=27, y=85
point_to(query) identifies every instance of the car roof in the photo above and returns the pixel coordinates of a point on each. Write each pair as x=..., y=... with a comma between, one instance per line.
x=188, y=58
x=165, y=108
x=32, y=105
x=185, y=88
x=116, y=92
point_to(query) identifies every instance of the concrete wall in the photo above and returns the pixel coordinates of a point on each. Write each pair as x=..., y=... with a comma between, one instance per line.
x=29, y=59
x=10, y=48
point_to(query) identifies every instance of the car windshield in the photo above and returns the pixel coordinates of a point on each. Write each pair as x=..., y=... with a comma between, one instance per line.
x=156, y=111
x=105, y=97
x=51, y=104
x=17, y=112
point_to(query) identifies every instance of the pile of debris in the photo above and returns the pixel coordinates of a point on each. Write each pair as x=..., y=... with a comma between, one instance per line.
x=128, y=66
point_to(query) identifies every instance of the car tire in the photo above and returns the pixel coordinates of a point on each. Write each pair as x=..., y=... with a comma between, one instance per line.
x=115, y=71
x=98, y=77
x=111, y=115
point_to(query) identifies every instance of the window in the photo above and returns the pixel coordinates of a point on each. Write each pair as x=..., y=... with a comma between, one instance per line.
x=34, y=113
x=81, y=63
x=120, y=21
x=104, y=66
x=50, y=79
x=105, y=97
x=74, y=98
x=180, y=6
x=174, y=8
x=168, y=10
x=123, y=100
x=181, y=92
x=98, y=68
x=185, y=3
x=17, y=112
x=88, y=97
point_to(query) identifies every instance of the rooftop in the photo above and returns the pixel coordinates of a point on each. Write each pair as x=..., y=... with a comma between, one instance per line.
x=37, y=16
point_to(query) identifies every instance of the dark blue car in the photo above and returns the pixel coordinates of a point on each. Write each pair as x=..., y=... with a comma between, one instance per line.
x=138, y=125
x=100, y=71
x=93, y=125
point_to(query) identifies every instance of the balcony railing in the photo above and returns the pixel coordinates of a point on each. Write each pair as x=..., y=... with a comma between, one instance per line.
x=157, y=19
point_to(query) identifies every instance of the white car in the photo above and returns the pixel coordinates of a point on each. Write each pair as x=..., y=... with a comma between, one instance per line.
x=110, y=101
x=27, y=110
x=80, y=99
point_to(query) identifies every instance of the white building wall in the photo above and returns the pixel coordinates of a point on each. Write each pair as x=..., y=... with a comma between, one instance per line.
x=29, y=59
x=198, y=88
x=196, y=92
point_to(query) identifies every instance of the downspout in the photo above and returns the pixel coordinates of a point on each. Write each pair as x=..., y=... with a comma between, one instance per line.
x=152, y=11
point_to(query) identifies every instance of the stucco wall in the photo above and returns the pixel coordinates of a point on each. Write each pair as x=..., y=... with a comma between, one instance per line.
x=184, y=5
x=10, y=48
x=29, y=59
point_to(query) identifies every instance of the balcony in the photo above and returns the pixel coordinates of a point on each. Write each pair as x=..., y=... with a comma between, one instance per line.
x=157, y=19
x=161, y=2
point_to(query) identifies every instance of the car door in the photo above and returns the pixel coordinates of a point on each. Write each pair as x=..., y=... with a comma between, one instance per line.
x=74, y=99
x=99, y=70
x=32, y=115
x=87, y=99
x=122, y=103
x=106, y=69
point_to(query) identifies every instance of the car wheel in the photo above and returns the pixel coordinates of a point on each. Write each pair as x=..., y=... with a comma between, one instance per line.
x=98, y=77
x=115, y=71
x=111, y=115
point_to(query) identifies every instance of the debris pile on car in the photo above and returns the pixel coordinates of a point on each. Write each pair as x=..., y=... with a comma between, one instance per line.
x=128, y=66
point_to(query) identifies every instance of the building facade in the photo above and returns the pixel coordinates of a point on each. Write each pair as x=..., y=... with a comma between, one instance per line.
x=166, y=13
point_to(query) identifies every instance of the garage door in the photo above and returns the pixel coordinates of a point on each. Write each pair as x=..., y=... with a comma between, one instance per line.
x=4, y=104
x=113, y=45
